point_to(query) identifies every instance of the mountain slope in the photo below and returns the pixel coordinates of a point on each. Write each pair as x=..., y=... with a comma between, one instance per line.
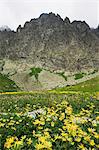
x=6, y=84
x=91, y=85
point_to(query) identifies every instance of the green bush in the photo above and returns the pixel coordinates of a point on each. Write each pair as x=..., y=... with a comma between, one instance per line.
x=35, y=72
x=79, y=76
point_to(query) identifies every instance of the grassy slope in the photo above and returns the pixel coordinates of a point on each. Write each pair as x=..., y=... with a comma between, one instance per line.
x=87, y=86
x=6, y=84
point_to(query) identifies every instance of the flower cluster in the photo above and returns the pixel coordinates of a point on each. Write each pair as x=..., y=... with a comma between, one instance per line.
x=58, y=127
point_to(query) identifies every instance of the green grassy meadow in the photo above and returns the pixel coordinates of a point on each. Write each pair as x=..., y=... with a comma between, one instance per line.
x=91, y=85
x=69, y=117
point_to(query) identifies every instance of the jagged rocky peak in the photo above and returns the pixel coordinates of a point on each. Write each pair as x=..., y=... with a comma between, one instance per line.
x=43, y=16
x=50, y=16
x=80, y=25
x=43, y=23
x=67, y=20
x=50, y=20
x=19, y=28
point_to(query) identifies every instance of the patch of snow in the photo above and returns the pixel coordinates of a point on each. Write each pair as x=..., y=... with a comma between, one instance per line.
x=3, y=28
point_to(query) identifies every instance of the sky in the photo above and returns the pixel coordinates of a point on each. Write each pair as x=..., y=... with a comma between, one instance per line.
x=15, y=12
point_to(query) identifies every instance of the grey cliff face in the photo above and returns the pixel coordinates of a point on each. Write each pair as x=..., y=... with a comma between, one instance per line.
x=54, y=42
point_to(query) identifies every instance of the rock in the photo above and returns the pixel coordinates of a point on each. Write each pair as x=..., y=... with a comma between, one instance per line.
x=50, y=80
x=67, y=21
x=1, y=65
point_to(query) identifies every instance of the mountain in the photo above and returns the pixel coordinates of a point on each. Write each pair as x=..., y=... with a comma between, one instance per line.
x=50, y=43
x=53, y=42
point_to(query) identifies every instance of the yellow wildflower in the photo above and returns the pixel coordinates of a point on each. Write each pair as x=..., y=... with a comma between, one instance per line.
x=42, y=139
x=87, y=138
x=92, y=143
x=78, y=139
x=97, y=146
x=48, y=118
x=19, y=142
x=40, y=127
x=81, y=146
x=33, y=132
x=17, y=122
x=96, y=135
x=97, y=118
x=29, y=141
x=10, y=124
x=2, y=124
x=9, y=142
x=58, y=137
x=69, y=110
x=23, y=137
x=47, y=135
x=7, y=145
x=13, y=128
x=52, y=124
x=39, y=146
x=11, y=117
x=91, y=130
x=4, y=120
x=64, y=134
x=48, y=145
x=62, y=116
x=36, y=122
x=69, y=139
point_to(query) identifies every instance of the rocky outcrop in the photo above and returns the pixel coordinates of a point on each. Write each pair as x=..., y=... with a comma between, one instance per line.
x=96, y=31
x=52, y=42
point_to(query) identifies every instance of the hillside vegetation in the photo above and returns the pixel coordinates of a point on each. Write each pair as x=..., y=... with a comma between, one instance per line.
x=91, y=85
x=6, y=84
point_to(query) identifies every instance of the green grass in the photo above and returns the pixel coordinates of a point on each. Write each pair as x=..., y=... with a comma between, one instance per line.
x=91, y=85
x=19, y=103
x=6, y=84
x=15, y=121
